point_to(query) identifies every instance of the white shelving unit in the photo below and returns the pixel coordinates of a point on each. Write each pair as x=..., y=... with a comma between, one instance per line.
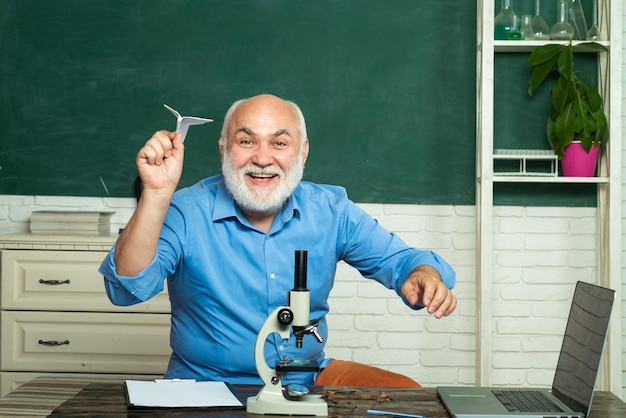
x=608, y=182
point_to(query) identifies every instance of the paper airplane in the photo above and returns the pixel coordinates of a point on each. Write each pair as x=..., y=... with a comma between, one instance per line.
x=184, y=122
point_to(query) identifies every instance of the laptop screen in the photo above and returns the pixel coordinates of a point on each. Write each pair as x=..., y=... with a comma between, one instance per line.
x=585, y=332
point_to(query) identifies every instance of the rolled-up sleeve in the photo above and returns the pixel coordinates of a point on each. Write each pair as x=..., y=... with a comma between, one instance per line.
x=432, y=259
x=125, y=291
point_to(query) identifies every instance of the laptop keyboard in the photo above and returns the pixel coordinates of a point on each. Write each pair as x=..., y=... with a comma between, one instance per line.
x=525, y=401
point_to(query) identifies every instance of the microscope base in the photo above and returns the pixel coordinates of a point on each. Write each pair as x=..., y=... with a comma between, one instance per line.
x=273, y=402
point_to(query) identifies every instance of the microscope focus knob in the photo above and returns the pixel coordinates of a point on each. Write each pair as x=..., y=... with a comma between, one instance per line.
x=285, y=316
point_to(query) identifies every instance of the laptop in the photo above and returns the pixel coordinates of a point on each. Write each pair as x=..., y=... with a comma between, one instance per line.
x=574, y=378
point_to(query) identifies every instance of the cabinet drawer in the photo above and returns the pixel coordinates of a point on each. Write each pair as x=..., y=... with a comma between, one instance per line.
x=62, y=280
x=85, y=342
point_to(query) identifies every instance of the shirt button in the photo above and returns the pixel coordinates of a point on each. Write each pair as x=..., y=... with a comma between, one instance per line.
x=272, y=276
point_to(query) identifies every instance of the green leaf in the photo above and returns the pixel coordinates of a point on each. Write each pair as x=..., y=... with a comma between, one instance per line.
x=544, y=53
x=593, y=97
x=564, y=124
x=600, y=119
x=539, y=75
x=554, y=143
x=589, y=126
x=586, y=142
x=559, y=94
x=544, y=59
x=594, y=45
x=566, y=62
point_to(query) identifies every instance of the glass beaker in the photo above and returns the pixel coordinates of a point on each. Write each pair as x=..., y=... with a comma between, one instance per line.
x=576, y=18
x=541, y=30
x=506, y=23
x=562, y=30
x=527, y=27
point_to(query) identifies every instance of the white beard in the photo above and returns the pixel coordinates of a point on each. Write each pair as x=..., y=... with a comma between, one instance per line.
x=263, y=200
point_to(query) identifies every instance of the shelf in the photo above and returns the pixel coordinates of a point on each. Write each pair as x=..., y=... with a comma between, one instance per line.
x=493, y=168
x=548, y=179
x=528, y=46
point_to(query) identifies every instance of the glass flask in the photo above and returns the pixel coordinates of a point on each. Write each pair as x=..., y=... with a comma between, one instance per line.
x=506, y=23
x=593, y=34
x=541, y=30
x=562, y=29
x=527, y=27
x=576, y=18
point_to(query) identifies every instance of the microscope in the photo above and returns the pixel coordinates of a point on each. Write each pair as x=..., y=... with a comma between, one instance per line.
x=273, y=398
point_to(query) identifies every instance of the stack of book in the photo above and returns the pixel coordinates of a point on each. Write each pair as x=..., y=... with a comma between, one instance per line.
x=70, y=223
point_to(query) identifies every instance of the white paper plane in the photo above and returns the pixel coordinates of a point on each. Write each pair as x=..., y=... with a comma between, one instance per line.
x=184, y=122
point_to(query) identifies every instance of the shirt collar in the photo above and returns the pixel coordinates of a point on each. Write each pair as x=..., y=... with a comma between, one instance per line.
x=224, y=204
x=225, y=207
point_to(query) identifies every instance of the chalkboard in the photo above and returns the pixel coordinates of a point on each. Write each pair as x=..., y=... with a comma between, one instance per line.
x=387, y=88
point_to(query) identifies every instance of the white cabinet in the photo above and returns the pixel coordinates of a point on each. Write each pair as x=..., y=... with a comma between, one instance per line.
x=55, y=316
x=608, y=181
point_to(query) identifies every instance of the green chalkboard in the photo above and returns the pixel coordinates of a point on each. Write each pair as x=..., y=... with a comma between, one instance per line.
x=387, y=87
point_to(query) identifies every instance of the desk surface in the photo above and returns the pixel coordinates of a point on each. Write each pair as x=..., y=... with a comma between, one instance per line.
x=65, y=397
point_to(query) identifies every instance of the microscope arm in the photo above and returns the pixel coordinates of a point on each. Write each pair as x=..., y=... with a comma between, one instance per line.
x=278, y=323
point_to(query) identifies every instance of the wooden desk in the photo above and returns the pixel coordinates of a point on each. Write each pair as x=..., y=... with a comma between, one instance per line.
x=63, y=397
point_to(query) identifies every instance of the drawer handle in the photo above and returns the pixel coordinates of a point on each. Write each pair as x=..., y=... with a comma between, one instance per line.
x=54, y=282
x=54, y=343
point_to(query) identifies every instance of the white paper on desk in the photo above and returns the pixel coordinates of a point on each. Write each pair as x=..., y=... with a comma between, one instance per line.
x=180, y=395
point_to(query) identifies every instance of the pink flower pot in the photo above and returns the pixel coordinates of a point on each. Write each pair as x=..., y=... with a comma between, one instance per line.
x=577, y=162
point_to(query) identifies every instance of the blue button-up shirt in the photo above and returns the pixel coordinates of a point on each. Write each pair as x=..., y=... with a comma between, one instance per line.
x=225, y=276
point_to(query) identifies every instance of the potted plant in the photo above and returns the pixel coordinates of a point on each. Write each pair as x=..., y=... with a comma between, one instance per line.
x=577, y=118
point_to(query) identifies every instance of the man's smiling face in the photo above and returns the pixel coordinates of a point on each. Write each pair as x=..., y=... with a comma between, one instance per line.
x=263, y=159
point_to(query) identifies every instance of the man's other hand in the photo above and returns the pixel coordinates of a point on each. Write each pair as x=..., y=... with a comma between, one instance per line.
x=424, y=287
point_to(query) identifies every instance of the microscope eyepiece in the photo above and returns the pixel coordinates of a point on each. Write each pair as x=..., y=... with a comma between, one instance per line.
x=299, y=280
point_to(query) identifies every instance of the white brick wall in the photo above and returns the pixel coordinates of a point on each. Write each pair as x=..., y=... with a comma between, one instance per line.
x=539, y=252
